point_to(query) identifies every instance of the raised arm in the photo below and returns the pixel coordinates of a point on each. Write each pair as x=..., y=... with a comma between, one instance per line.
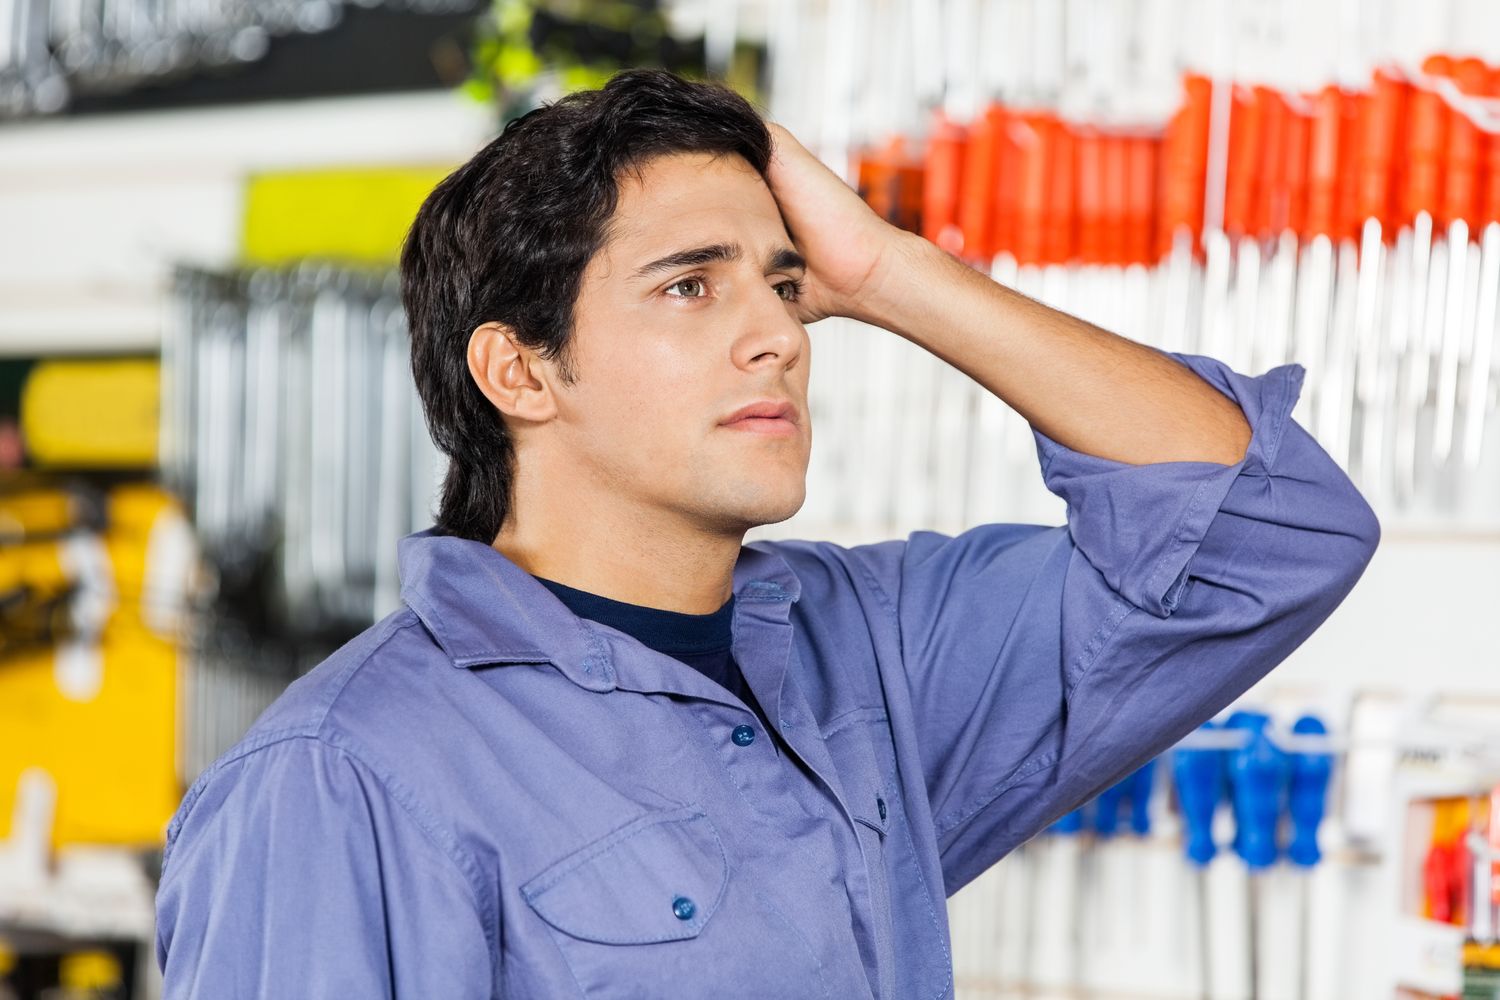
x=1086, y=388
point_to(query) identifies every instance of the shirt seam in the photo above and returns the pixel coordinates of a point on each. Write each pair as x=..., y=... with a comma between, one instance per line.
x=422, y=818
x=1177, y=544
x=339, y=742
x=796, y=932
x=1270, y=445
x=1025, y=770
x=248, y=746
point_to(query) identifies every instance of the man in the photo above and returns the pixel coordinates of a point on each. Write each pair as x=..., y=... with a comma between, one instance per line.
x=606, y=749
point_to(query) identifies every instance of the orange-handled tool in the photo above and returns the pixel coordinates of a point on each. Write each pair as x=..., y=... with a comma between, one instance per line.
x=1489, y=196
x=1006, y=201
x=1461, y=179
x=1033, y=135
x=876, y=181
x=941, y=185
x=976, y=208
x=1323, y=163
x=1140, y=199
x=1298, y=135
x=1377, y=150
x=1427, y=134
x=1090, y=181
x=1116, y=194
x=1269, y=216
x=1245, y=136
x=1058, y=231
x=1184, y=165
x=1352, y=118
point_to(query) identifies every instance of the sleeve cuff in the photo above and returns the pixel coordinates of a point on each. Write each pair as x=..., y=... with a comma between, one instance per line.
x=1139, y=525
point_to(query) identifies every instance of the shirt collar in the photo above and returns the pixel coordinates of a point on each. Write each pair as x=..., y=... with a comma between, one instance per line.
x=484, y=609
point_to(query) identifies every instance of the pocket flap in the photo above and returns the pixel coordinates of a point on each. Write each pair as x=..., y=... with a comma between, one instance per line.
x=628, y=886
x=851, y=744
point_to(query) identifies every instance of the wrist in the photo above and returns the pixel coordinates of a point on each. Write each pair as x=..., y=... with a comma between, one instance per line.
x=900, y=289
x=888, y=288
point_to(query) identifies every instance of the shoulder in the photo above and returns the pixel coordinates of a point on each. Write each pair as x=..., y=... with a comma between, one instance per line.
x=314, y=702
x=882, y=571
x=330, y=717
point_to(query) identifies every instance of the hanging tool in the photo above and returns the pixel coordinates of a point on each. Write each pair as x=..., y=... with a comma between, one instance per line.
x=1258, y=774
x=1459, y=209
x=1374, y=367
x=1485, y=332
x=1422, y=194
x=1199, y=774
x=1307, y=796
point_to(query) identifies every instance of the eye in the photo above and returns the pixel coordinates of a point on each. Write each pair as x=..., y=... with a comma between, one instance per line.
x=790, y=290
x=694, y=283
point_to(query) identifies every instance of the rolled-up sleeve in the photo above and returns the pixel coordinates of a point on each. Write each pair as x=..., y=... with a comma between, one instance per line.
x=1045, y=664
x=292, y=871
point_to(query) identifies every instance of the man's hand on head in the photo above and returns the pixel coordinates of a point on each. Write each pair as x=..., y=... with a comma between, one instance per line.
x=850, y=250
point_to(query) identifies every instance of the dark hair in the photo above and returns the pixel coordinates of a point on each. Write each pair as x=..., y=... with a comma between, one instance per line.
x=506, y=238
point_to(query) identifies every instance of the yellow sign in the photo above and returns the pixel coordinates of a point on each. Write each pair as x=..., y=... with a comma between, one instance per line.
x=357, y=216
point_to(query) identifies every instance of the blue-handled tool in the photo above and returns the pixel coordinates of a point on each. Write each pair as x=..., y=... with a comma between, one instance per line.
x=1307, y=794
x=1247, y=722
x=1307, y=797
x=1107, y=809
x=1070, y=824
x=1257, y=781
x=1199, y=776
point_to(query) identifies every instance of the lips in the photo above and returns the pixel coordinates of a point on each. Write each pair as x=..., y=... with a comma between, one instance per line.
x=764, y=410
x=774, y=417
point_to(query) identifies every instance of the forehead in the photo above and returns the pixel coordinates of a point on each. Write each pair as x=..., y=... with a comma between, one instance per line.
x=686, y=196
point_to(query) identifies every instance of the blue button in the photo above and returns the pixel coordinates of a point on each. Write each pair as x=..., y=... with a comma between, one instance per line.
x=743, y=735
x=880, y=804
x=683, y=907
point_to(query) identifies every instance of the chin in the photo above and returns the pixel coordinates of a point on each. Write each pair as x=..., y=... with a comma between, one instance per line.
x=772, y=517
x=762, y=509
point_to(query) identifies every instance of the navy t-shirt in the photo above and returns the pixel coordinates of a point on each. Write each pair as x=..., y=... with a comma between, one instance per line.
x=701, y=641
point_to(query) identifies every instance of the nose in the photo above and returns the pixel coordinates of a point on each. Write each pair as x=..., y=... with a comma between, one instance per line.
x=771, y=335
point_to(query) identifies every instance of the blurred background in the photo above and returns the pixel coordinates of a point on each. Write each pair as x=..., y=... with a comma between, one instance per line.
x=210, y=444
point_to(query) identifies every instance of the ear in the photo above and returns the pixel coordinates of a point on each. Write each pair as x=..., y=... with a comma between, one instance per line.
x=511, y=376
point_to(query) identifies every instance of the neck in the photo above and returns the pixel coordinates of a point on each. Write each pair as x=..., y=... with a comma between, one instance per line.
x=599, y=542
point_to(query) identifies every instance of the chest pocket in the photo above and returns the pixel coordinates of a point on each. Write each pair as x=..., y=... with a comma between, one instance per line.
x=860, y=744
x=653, y=909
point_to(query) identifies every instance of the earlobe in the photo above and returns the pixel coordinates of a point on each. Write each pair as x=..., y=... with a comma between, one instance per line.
x=508, y=373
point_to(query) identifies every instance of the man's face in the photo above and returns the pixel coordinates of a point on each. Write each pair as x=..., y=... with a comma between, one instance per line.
x=667, y=350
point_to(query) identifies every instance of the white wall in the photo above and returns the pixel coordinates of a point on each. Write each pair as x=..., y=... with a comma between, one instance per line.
x=95, y=210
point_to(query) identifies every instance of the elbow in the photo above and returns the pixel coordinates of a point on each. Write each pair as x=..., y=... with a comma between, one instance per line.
x=1358, y=537
x=1364, y=527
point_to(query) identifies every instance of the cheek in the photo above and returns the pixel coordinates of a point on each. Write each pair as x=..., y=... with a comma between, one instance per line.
x=643, y=414
x=655, y=383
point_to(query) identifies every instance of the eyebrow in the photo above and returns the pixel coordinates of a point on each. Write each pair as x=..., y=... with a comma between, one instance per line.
x=782, y=259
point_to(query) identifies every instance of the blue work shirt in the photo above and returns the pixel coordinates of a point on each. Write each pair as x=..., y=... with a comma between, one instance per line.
x=484, y=795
